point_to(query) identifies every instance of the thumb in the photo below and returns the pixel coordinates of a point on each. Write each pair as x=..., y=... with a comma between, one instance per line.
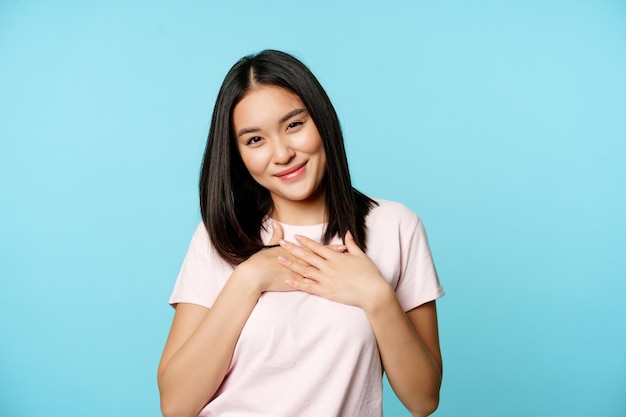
x=277, y=233
x=353, y=248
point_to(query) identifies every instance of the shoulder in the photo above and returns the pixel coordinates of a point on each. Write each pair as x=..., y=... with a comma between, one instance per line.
x=391, y=213
x=201, y=238
x=203, y=273
x=202, y=248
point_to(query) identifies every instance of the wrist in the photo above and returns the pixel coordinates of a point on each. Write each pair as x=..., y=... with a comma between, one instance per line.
x=244, y=278
x=379, y=298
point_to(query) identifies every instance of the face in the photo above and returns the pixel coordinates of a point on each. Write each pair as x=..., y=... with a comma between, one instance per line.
x=280, y=145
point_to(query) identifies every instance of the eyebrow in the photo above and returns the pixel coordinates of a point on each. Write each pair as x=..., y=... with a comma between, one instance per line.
x=283, y=119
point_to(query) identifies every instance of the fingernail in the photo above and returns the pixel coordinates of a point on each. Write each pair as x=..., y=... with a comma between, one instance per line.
x=282, y=259
x=274, y=224
x=297, y=237
x=349, y=235
x=282, y=242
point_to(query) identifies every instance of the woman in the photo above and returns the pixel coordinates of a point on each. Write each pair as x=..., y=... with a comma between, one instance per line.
x=275, y=314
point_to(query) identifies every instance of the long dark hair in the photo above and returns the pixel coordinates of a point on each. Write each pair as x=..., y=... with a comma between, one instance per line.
x=233, y=205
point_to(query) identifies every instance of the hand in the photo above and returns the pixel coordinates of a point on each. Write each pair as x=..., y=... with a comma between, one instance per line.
x=265, y=270
x=262, y=268
x=348, y=278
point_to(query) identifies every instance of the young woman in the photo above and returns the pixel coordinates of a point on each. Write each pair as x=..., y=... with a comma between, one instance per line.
x=297, y=291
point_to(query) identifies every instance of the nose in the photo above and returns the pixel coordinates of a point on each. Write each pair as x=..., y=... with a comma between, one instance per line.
x=283, y=152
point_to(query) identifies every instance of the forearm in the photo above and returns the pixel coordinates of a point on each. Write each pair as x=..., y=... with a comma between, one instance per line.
x=411, y=368
x=195, y=371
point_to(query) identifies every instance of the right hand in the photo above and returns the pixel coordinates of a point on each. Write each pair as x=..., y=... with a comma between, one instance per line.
x=264, y=269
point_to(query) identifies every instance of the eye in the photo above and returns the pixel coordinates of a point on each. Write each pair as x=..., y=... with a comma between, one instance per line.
x=254, y=140
x=293, y=125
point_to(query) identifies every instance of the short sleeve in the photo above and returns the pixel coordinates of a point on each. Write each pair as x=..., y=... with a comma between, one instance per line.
x=203, y=273
x=418, y=282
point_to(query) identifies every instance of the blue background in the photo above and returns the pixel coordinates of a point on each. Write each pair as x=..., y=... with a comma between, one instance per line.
x=503, y=124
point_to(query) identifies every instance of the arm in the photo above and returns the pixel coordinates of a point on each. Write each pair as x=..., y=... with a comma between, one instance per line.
x=187, y=380
x=409, y=349
x=408, y=342
x=201, y=341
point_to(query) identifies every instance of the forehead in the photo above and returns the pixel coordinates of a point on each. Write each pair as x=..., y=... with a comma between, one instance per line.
x=264, y=104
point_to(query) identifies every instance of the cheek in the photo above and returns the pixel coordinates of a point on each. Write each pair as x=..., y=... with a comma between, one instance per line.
x=318, y=149
x=322, y=172
x=254, y=161
x=312, y=144
x=315, y=148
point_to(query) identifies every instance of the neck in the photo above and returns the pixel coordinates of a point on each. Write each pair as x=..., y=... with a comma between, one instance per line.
x=300, y=213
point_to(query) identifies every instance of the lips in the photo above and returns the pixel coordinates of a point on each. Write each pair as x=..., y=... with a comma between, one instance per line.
x=292, y=172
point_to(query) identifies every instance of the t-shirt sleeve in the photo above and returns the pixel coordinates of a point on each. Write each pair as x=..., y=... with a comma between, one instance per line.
x=202, y=274
x=418, y=282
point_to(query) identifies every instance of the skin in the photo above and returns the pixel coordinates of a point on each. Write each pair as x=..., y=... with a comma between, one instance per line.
x=275, y=136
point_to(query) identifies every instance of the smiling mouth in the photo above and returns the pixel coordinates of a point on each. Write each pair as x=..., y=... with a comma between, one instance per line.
x=291, y=172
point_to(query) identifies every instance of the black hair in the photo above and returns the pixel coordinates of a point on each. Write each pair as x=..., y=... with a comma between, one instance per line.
x=233, y=205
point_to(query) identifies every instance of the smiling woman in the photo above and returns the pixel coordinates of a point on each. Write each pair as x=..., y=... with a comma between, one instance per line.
x=297, y=291
x=285, y=154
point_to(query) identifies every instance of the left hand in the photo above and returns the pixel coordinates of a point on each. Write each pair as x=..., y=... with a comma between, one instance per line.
x=348, y=278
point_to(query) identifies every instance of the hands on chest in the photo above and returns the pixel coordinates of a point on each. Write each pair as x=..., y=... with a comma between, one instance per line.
x=348, y=277
x=341, y=273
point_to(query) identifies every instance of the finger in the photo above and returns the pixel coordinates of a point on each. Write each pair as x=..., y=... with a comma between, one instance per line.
x=353, y=248
x=338, y=248
x=305, y=285
x=277, y=233
x=321, y=250
x=303, y=254
x=303, y=270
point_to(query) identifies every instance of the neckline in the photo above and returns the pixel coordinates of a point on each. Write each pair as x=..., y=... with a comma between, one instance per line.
x=268, y=220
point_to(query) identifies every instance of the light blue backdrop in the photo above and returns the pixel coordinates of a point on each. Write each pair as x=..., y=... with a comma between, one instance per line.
x=503, y=124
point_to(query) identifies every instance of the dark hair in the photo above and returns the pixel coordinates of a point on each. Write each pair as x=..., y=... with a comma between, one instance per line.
x=233, y=205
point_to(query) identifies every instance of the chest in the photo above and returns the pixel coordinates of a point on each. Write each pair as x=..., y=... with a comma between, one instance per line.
x=290, y=328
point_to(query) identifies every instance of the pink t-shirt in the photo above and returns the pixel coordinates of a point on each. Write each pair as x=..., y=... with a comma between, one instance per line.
x=300, y=354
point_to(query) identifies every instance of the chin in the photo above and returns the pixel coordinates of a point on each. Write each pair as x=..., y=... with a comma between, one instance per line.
x=301, y=196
